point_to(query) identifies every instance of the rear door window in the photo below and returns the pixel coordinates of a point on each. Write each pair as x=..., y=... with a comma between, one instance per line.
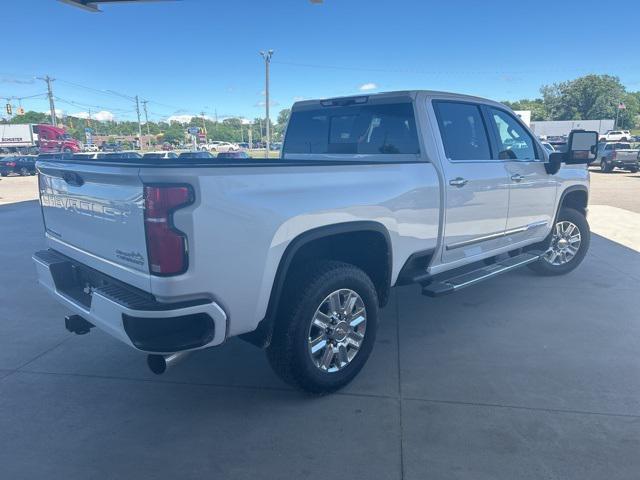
x=464, y=134
x=355, y=129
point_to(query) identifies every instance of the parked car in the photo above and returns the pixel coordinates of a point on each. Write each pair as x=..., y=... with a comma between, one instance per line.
x=222, y=147
x=244, y=145
x=91, y=148
x=240, y=154
x=617, y=155
x=159, y=155
x=194, y=155
x=19, y=164
x=166, y=146
x=111, y=147
x=298, y=255
x=616, y=136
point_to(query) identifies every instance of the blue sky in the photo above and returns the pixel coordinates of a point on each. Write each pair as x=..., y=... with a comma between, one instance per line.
x=202, y=55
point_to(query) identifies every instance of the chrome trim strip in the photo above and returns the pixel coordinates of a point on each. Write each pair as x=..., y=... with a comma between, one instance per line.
x=493, y=236
x=464, y=243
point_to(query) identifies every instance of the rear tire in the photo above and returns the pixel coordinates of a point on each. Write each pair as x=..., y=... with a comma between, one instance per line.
x=309, y=356
x=633, y=169
x=568, y=244
x=605, y=166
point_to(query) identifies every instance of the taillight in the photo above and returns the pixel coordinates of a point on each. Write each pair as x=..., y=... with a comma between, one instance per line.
x=166, y=245
x=11, y=164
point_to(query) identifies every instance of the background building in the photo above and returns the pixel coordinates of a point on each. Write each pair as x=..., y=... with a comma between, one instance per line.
x=563, y=127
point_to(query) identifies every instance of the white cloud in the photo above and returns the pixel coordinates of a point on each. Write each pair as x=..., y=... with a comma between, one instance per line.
x=180, y=118
x=272, y=103
x=59, y=112
x=186, y=118
x=102, y=115
x=367, y=86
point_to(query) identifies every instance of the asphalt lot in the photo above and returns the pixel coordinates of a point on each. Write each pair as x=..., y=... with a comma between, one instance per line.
x=521, y=377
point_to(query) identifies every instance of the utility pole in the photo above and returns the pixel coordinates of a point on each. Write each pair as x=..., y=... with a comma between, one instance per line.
x=139, y=122
x=52, y=107
x=146, y=120
x=267, y=61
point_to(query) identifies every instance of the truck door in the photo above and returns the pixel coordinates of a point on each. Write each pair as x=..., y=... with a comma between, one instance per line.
x=532, y=194
x=45, y=143
x=476, y=183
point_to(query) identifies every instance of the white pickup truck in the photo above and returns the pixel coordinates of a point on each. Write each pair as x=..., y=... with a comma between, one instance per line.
x=298, y=254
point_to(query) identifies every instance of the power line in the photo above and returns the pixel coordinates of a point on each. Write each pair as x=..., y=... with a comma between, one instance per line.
x=448, y=72
x=86, y=105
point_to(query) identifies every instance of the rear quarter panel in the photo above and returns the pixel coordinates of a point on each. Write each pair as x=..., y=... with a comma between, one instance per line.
x=244, y=218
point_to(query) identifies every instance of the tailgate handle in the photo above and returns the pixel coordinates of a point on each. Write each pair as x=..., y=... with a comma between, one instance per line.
x=72, y=178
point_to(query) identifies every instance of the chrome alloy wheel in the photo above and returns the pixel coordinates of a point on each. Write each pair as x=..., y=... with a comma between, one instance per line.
x=337, y=330
x=565, y=243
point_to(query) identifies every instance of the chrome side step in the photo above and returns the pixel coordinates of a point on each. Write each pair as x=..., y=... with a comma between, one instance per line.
x=437, y=288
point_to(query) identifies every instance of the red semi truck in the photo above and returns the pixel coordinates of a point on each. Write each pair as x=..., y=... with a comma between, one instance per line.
x=32, y=138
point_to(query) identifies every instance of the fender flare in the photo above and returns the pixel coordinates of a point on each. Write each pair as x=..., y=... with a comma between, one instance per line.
x=261, y=336
x=566, y=191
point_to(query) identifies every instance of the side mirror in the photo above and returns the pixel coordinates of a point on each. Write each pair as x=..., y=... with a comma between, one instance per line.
x=581, y=147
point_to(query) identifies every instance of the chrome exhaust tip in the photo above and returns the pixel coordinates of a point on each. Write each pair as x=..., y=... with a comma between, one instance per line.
x=158, y=364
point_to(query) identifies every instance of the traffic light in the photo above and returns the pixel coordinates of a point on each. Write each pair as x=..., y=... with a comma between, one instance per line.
x=20, y=111
x=9, y=109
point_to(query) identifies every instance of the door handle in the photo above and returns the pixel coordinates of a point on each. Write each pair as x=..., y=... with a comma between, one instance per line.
x=458, y=182
x=517, y=177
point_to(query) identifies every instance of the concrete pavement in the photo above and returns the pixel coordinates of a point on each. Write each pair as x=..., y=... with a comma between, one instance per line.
x=520, y=377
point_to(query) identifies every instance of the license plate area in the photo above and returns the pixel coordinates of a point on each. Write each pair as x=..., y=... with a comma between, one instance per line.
x=77, y=281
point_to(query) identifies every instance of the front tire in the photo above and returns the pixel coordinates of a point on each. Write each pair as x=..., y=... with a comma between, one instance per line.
x=605, y=167
x=568, y=245
x=326, y=327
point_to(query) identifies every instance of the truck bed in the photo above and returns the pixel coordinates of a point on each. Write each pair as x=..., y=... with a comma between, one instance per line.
x=244, y=215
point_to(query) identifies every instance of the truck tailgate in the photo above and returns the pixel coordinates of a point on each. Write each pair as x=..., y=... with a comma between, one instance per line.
x=95, y=211
x=626, y=155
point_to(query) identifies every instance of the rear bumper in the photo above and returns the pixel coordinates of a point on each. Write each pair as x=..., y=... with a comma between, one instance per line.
x=624, y=163
x=127, y=313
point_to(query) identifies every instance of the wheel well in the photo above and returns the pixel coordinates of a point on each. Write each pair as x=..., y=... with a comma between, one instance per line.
x=363, y=244
x=576, y=199
x=367, y=250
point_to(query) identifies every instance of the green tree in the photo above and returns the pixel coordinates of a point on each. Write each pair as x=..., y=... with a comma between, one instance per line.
x=585, y=98
x=31, y=117
x=537, y=107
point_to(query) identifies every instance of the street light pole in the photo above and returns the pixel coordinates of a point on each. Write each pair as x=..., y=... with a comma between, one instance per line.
x=267, y=61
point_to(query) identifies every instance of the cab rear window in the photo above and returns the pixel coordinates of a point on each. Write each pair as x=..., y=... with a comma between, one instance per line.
x=354, y=129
